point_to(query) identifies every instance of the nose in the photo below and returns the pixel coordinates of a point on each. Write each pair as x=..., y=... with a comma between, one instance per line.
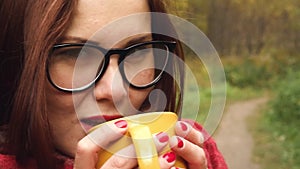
x=111, y=85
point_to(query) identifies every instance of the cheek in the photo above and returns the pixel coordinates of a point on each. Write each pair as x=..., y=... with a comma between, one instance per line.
x=66, y=130
x=137, y=97
x=66, y=137
x=65, y=127
x=58, y=101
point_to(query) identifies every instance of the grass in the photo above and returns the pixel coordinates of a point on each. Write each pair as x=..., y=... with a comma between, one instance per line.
x=272, y=147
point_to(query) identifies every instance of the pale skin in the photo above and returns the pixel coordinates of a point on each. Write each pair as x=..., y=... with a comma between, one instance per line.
x=69, y=136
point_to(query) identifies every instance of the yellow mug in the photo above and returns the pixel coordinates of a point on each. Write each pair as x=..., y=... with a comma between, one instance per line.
x=141, y=128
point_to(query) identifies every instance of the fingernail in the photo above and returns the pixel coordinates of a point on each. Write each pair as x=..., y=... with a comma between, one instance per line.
x=201, y=137
x=184, y=127
x=170, y=156
x=121, y=124
x=179, y=143
x=162, y=137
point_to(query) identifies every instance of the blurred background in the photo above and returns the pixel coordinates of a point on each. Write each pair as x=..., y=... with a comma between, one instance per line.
x=258, y=42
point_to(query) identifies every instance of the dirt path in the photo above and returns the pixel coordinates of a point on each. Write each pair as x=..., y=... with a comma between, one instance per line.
x=233, y=138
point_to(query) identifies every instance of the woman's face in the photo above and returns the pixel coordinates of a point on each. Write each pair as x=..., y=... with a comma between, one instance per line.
x=110, y=97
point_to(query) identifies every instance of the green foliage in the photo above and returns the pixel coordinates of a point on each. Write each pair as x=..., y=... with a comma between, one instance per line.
x=235, y=93
x=259, y=72
x=278, y=129
x=245, y=73
x=286, y=105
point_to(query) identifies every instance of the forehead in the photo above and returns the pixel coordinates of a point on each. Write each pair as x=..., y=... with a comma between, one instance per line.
x=115, y=19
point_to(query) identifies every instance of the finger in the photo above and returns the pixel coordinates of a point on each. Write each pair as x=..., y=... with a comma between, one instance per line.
x=160, y=140
x=176, y=168
x=87, y=148
x=186, y=131
x=125, y=158
x=191, y=153
x=167, y=160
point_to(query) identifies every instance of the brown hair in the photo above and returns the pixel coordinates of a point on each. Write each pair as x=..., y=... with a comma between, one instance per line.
x=172, y=89
x=37, y=25
x=28, y=32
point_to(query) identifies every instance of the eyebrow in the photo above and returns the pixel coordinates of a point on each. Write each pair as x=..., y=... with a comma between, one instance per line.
x=132, y=40
x=75, y=39
x=139, y=39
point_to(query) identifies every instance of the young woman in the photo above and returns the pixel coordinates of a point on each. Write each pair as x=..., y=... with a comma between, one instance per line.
x=41, y=48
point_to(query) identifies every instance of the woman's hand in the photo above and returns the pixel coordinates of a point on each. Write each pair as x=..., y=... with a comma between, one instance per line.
x=86, y=156
x=188, y=145
x=87, y=149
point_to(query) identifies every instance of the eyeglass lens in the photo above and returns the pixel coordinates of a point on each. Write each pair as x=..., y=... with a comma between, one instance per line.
x=74, y=67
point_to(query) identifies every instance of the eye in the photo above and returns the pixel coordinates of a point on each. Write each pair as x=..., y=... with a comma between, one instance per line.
x=138, y=54
x=66, y=53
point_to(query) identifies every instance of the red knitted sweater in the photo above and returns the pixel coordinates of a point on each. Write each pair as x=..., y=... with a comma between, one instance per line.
x=215, y=159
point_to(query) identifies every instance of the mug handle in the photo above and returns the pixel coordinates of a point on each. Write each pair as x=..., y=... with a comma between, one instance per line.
x=145, y=148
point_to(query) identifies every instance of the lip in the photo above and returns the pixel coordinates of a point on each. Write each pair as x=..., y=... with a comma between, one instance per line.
x=89, y=122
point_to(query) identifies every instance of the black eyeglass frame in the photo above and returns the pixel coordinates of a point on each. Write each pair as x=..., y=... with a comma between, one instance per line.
x=171, y=45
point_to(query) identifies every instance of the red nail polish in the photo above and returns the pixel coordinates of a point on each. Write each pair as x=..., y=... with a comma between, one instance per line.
x=162, y=137
x=183, y=126
x=121, y=124
x=180, y=143
x=170, y=156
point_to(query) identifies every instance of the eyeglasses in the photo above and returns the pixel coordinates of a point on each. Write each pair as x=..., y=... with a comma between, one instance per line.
x=74, y=67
